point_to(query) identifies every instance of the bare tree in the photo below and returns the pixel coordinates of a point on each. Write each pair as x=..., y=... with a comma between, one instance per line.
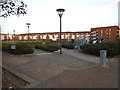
x=12, y=7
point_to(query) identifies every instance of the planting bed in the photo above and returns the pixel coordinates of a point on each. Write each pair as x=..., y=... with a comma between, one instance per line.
x=10, y=80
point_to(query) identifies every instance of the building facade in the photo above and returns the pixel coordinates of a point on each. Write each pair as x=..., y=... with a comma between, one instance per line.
x=107, y=33
x=119, y=13
x=48, y=36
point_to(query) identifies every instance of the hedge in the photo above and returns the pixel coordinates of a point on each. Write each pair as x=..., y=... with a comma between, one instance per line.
x=68, y=46
x=94, y=49
x=6, y=47
x=21, y=48
x=48, y=47
x=24, y=48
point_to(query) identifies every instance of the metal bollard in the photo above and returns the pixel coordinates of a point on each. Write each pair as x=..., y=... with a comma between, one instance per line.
x=103, y=54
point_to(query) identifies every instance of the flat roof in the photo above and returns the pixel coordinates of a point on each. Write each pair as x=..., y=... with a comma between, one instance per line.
x=57, y=32
x=105, y=27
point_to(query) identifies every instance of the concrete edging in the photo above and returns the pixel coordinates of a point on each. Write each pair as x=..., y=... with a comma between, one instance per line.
x=24, y=77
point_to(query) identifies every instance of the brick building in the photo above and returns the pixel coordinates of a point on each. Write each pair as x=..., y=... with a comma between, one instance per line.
x=119, y=13
x=85, y=35
x=107, y=33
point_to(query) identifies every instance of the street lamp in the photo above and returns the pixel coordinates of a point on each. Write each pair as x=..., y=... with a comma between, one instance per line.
x=28, y=25
x=8, y=37
x=60, y=13
x=0, y=34
x=14, y=35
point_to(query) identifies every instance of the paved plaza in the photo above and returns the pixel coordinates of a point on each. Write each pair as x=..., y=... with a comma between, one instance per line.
x=72, y=69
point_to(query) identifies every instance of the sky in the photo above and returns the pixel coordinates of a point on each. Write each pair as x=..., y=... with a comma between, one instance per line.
x=79, y=15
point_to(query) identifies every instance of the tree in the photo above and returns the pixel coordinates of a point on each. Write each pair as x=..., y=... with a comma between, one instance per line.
x=12, y=7
x=38, y=37
x=47, y=37
x=5, y=37
x=16, y=37
x=22, y=38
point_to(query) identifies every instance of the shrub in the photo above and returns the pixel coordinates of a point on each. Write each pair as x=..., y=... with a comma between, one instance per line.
x=21, y=48
x=48, y=47
x=24, y=48
x=51, y=47
x=94, y=49
x=68, y=45
x=6, y=47
x=38, y=42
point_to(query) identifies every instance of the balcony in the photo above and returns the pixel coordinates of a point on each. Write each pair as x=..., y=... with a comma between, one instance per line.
x=94, y=38
x=93, y=31
x=94, y=35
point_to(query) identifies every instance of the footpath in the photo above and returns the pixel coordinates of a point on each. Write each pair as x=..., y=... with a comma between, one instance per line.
x=72, y=69
x=81, y=55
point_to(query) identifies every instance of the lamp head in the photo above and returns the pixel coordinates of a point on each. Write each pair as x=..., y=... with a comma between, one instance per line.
x=60, y=12
x=28, y=24
x=13, y=30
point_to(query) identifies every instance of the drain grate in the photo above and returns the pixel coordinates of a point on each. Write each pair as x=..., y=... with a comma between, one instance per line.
x=10, y=80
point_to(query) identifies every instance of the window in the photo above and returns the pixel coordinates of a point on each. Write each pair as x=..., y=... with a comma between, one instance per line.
x=117, y=31
x=100, y=31
x=106, y=29
x=109, y=29
x=93, y=31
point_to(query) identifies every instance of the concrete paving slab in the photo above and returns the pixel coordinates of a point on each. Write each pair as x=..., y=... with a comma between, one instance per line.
x=50, y=69
x=79, y=54
x=43, y=67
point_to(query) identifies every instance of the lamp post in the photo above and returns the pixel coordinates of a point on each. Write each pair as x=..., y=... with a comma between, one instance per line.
x=28, y=25
x=0, y=34
x=8, y=37
x=14, y=35
x=60, y=13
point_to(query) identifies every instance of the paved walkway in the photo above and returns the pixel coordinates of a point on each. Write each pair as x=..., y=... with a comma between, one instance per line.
x=81, y=55
x=94, y=77
x=71, y=69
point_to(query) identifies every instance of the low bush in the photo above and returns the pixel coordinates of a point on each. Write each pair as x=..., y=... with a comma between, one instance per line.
x=48, y=47
x=6, y=47
x=51, y=47
x=38, y=42
x=68, y=46
x=21, y=48
x=24, y=48
x=94, y=49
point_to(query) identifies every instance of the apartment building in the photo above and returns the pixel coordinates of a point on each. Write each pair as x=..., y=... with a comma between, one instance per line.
x=108, y=33
x=84, y=35
x=119, y=13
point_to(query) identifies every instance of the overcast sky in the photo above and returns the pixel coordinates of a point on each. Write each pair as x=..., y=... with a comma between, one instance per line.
x=79, y=15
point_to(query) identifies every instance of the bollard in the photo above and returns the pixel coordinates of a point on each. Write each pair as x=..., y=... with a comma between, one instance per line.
x=103, y=54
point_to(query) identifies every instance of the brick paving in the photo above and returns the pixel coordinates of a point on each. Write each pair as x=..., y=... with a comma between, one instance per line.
x=69, y=70
x=94, y=77
x=42, y=67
